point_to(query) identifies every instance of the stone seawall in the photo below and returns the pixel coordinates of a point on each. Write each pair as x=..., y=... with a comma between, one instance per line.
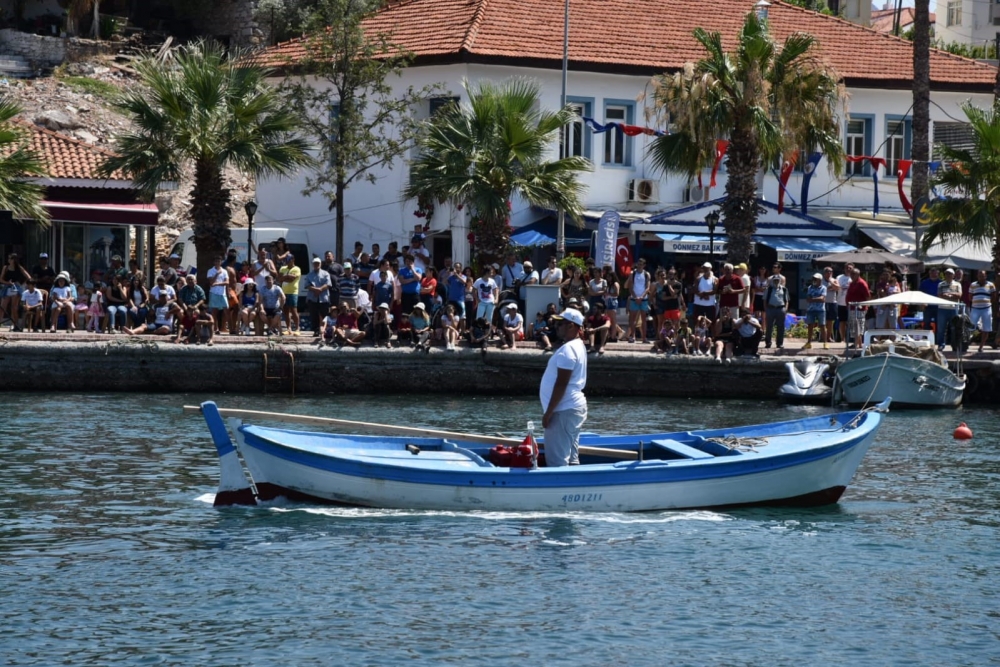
x=154, y=365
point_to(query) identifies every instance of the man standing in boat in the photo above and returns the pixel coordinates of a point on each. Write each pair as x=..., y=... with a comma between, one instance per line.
x=561, y=393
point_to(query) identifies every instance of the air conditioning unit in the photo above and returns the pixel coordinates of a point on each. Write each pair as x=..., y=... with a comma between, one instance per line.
x=642, y=190
x=695, y=194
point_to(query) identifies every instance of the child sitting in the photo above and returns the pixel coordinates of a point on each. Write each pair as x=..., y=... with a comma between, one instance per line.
x=329, y=325
x=404, y=333
x=666, y=339
x=479, y=333
x=686, y=341
x=701, y=342
x=204, y=326
x=541, y=331
x=186, y=328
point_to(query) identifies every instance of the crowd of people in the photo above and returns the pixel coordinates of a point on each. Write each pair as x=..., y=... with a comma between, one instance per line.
x=399, y=298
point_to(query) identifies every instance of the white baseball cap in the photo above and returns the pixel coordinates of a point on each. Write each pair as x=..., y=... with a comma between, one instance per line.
x=571, y=315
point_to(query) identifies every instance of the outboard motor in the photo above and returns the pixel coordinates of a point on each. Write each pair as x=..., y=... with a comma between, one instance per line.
x=807, y=382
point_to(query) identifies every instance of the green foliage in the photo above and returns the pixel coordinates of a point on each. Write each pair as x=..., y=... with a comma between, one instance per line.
x=814, y=5
x=343, y=93
x=571, y=260
x=482, y=154
x=974, y=51
x=970, y=209
x=205, y=109
x=284, y=19
x=18, y=162
x=769, y=100
x=107, y=92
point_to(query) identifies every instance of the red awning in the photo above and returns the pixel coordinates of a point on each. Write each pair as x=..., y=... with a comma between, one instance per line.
x=103, y=213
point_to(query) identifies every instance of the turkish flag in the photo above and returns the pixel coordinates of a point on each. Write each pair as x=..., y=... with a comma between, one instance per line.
x=623, y=256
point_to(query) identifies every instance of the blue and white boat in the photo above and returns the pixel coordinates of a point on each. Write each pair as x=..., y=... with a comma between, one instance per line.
x=805, y=462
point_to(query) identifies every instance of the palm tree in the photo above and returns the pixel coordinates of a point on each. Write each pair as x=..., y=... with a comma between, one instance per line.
x=483, y=154
x=970, y=210
x=18, y=161
x=767, y=101
x=206, y=111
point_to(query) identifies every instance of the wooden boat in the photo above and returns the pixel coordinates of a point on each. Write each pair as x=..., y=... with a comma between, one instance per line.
x=804, y=462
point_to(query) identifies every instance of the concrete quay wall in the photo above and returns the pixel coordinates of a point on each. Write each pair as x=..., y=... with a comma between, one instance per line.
x=146, y=365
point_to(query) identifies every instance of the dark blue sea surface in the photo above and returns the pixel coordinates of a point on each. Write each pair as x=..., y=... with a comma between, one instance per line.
x=112, y=554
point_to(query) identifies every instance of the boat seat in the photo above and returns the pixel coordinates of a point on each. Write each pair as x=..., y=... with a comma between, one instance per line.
x=447, y=446
x=680, y=449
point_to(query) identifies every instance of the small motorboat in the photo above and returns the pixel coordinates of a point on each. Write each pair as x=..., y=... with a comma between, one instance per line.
x=804, y=462
x=807, y=381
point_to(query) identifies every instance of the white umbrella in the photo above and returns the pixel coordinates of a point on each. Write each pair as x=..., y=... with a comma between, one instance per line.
x=911, y=298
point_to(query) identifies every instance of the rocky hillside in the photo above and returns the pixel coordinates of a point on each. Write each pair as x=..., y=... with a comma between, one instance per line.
x=75, y=102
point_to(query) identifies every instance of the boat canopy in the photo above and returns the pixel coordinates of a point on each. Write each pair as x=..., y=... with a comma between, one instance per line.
x=911, y=298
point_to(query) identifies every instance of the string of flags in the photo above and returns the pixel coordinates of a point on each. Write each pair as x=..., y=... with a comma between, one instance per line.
x=787, y=165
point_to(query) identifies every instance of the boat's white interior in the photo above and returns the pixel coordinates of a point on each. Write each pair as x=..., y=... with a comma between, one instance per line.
x=913, y=337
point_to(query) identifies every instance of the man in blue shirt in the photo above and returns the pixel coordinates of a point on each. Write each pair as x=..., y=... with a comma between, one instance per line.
x=816, y=312
x=409, y=283
x=456, y=290
x=349, y=284
x=318, y=284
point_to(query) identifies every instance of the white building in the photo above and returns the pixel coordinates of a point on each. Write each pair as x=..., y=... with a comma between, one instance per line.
x=972, y=22
x=615, y=48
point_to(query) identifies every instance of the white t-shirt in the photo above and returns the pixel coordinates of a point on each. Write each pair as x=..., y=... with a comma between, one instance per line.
x=421, y=258
x=844, y=281
x=572, y=356
x=513, y=322
x=61, y=293
x=639, y=285
x=31, y=298
x=746, y=297
x=552, y=276
x=259, y=278
x=484, y=288
x=831, y=294
x=219, y=279
x=168, y=290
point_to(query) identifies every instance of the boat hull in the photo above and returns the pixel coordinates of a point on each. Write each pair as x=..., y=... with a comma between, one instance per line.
x=816, y=477
x=911, y=382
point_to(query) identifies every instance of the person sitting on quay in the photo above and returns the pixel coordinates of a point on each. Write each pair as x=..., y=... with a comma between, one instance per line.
x=511, y=327
x=163, y=315
x=420, y=328
x=816, y=311
x=190, y=297
x=186, y=325
x=596, y=329
x=62, y=303
x=541, y=331
x=348, y=332
x=33, y=307
x=748, y=335
x=448, y=329
x=479, y=334
x=701, y=336
x=204, y=331
x=667, y=341
x=724, y=333
x=381, y=331
x=272, y=299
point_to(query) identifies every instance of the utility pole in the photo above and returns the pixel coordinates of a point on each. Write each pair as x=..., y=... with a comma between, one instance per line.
x=561, y=215
x=921, y=98
x=996, y=86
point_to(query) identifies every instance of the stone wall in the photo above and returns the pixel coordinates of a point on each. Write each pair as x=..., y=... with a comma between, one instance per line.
x=45, y=52
x=234, y=19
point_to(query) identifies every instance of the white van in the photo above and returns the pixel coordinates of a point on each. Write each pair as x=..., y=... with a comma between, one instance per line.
x=297, y=240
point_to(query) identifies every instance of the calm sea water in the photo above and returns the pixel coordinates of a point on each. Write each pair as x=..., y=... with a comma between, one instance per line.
x=112, y=554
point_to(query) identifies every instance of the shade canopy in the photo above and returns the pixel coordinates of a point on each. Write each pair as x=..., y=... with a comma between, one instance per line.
x=958, y=253
x=912, y=298
x=872, y=258
x=543, y=232
x=802, y=248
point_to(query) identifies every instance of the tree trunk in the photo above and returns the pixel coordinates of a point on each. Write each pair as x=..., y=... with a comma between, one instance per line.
x=340, y=220
x=210, y=215
x=921, y=99
x=96, y=28
x=739, y=210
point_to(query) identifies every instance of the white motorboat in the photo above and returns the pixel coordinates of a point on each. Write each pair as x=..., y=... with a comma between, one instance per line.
x=807, y=382
x=904, y=364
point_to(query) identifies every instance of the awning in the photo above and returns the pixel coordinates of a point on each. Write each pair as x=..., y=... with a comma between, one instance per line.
x=696, y=244
x=903, y=241
x=803, y=249
x=103, y=213
x=543, y=232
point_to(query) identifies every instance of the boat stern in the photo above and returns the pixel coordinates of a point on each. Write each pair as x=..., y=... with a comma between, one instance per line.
x=234, y=489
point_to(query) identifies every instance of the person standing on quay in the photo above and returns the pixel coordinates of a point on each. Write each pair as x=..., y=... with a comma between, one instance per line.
x=561, y=393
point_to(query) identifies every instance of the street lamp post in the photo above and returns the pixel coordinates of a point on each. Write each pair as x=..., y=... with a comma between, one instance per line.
x=712, y=219
x=251, y=209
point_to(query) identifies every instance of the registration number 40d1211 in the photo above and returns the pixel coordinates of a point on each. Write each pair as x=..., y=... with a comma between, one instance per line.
x=581, y=497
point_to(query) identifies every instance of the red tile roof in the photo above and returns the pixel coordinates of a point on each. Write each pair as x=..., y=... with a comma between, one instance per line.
x=67, y=157
x=636, y=37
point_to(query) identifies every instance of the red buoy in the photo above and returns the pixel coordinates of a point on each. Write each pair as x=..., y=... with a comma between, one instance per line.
x=963, y=432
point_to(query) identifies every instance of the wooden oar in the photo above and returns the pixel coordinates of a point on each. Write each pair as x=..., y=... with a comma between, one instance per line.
x=388, y=429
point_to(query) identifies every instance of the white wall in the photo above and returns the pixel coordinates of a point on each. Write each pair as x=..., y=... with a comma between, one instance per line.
x=977, y=27
x=377, y=213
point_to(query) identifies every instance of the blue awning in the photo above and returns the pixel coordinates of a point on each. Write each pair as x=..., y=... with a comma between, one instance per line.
x=543, y=232
x=803, y=249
